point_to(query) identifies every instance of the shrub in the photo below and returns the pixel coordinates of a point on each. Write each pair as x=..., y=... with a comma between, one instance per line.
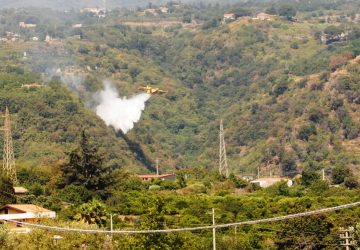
x=339, y=174
x=306, y=131
x=308, y=177
x=351, y=182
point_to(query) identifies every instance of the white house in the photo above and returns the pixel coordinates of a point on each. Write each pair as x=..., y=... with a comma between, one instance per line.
x=269, y=181
x=27, y=25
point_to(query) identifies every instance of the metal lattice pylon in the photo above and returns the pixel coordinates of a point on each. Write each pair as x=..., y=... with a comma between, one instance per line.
x=223, y=166
x=8, y=155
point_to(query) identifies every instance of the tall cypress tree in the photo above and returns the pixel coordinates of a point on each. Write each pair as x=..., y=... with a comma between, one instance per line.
x=86, y=168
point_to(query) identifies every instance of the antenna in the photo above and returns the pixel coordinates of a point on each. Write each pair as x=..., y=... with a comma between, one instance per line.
x=223, y=166
x=8, y=155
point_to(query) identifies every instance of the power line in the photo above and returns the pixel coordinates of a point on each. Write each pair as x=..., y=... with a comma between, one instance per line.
x=285, y=217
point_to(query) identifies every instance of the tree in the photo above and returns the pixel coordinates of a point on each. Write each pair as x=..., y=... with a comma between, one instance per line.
x=287, y=11
x=83, y=50
x=339, y=174
x=154, y=219
x=187, y=18
x=271, y=11
x=333, y=30
x=303, y=233
x=93, y=212
x=357, y=234
x=308, y=177
x=306, y=131
x=7, y=192
x=86, y=167
x=75, y=194
x=181, y=179
x=288, y=165
x=241, y=12
x=351, y=182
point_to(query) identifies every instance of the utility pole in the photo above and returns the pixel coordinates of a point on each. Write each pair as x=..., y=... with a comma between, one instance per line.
x=258, y=172
x=8, y=155
x=347, y=237
x=157, y=166
x=323, y=174
x=223, y=166
x=111, y=223
x=214, y=231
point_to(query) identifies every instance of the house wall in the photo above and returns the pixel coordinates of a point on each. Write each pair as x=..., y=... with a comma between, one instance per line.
x=10, y=211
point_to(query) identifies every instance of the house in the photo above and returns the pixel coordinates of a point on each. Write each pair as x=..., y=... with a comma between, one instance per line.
x=153, y=12
x=12, y=214
x=149, y=177
x=265, y=17
x=78, y=25
x=247, y=177
x=164, y=10
x=48, y=38
x=99, y=12
x=27, y=25
x=229, y=16
x=29, y=86
x=35, y=39
x=328, y=39
x=77, y=37
x=19, y=191
x=269, y=181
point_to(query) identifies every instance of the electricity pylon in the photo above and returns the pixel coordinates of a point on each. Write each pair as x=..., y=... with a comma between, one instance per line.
x=223, y=166
x=8, y=155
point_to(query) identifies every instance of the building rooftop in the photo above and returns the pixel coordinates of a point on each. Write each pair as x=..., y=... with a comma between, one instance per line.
x=21, y=190
x=26, y=208
x=154, y=175
x=271, y=179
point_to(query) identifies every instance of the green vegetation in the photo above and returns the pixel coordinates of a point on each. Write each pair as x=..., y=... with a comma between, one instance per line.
x=287, y=90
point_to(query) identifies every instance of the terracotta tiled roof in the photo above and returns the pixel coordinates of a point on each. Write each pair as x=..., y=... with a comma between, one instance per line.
x=154, y=175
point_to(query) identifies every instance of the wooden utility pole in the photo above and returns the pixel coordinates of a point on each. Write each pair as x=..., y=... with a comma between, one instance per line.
x=214, y=231
x=111, y=223
x=8, y=154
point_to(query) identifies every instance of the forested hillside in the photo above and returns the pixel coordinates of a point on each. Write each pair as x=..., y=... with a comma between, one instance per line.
x=277, y=86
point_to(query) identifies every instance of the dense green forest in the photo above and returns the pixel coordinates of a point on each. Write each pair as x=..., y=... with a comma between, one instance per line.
x=287, y=90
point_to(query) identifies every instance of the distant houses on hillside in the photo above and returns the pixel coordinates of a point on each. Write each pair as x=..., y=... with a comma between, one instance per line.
x=98, y=12
x=332, y=38
x=228, y=17
x=150, y=177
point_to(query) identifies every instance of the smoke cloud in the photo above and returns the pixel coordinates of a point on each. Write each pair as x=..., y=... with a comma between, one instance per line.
x=121, y=113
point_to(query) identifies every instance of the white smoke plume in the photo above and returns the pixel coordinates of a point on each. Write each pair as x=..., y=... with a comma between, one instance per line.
x=121, y=113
